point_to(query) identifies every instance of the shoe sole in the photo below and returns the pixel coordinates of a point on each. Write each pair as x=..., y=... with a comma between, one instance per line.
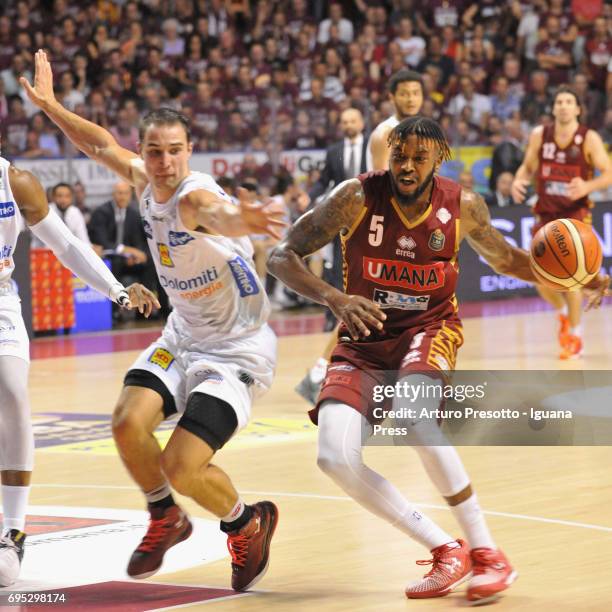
x=188, y=531
x=495, y=596
x=262, y=573
x=444, y=593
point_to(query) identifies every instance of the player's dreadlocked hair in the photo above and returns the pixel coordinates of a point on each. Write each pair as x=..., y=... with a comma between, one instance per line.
x=423, y=128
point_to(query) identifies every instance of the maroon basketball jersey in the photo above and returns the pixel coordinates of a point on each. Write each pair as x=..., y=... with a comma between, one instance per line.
x=557, y=167
x=409, y=269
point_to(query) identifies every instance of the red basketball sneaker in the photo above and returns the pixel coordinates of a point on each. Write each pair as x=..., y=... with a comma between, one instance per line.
x=250, y=546
x=572, y=347
x=564, y=327
x=492, y=574
x=167, y=527
x=451, y=567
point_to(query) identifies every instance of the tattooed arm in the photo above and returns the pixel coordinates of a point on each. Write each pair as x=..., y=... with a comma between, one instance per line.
x=488, y=242
x=313, y=231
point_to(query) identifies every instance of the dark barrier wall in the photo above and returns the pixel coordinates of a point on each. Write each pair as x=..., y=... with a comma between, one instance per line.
x=477, y=281
x=21, y=275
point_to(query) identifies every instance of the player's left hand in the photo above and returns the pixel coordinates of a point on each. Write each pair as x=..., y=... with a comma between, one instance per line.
x=262, y=217
x=596, y=290
x=143, y=299
x=577, y=189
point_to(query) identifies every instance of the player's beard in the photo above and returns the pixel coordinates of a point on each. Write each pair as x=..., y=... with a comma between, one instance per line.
x=408, y=199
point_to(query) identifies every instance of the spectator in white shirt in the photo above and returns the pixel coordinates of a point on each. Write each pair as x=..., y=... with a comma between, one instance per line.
x=479, y=104
x=345, y=27
x=63, y=197
x=413, y=47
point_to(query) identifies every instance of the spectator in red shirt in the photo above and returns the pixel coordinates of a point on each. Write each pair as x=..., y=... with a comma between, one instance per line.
x=598, y=51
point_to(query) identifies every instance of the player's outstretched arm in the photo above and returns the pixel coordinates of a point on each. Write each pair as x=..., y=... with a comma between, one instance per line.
x=312, y=231
x=489, y=242
x=205, y=209
x=524, y=175
x=73, y=253
x=91, y=139
x=598, y=157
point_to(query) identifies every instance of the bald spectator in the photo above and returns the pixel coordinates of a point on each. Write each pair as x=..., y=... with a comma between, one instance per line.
x=554, y=54
x=412, y=47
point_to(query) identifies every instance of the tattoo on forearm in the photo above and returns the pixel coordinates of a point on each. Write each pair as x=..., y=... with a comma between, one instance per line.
x=319, y=226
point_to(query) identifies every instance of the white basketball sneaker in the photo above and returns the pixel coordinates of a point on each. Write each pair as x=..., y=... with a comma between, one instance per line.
x=11, y=554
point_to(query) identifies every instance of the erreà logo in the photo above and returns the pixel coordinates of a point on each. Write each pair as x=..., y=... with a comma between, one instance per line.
x=7, y=209
x=391, y=273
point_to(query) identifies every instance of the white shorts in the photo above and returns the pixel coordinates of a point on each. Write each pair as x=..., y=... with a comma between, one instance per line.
x=14, y=339
x=235, y=371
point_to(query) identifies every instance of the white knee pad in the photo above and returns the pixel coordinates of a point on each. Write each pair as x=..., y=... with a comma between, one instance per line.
x=16, y=436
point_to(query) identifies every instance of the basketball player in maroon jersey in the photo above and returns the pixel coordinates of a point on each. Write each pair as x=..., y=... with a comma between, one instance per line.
x=401, y=231
x=406, y=95
x=563, y=157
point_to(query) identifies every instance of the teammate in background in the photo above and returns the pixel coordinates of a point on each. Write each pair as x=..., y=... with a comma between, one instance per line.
x=401, y=231
x=406, y=94
x=562, y=157
x=22, y=195
x=216, y=352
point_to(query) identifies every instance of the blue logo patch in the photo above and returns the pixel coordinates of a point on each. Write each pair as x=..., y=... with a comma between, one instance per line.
x=6, y=251
x=148, y=230
x=7, y=209
x=244, y=277
x=179, y=238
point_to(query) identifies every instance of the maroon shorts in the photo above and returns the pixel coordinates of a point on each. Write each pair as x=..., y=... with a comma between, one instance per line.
x=580, y=214
x=356, y=368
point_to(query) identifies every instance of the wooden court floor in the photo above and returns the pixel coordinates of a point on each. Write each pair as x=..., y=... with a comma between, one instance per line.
x=549, y=508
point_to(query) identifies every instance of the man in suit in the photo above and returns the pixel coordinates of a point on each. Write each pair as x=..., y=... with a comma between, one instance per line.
x=344, y=159
x=115, y=228
x=502, y=195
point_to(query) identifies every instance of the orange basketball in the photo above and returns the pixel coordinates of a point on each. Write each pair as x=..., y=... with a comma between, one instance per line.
x=565, y=254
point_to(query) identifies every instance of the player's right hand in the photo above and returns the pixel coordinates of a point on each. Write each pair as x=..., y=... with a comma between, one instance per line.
x=41, y=93
x=357, y=313
x=519, y=190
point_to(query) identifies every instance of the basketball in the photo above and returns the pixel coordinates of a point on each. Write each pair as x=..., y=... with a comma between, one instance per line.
x=565, y=254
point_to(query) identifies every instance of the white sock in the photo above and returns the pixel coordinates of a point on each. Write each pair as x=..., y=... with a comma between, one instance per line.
x=235, y=513
x=317, y=372
x=472, y=521
x=14, y=505
x=564, y=310
x=158, y=494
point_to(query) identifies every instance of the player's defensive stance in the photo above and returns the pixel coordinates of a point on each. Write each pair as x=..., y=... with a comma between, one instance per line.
x=216, y=352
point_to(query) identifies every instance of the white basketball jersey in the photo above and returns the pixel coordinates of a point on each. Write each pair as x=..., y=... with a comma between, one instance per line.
x=10, y=224
x=391, y=121
x=210, y=280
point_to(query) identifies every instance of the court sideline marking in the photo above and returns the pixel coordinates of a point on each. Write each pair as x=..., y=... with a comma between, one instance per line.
x=521, y=517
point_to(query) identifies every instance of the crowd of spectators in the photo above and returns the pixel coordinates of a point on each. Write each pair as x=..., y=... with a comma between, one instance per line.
x=252, y=73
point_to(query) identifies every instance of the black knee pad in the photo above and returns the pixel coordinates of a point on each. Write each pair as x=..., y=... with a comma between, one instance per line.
x=210, y=418
x=144, y=378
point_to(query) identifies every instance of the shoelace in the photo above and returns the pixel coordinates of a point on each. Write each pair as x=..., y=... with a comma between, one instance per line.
x=436, y=562
x=483, y=559
x=155, y=534
x=238, y=546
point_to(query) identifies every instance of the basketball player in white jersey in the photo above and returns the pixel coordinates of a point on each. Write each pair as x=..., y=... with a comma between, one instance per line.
x=216, y=352
x=406, y=94
x=21, y=195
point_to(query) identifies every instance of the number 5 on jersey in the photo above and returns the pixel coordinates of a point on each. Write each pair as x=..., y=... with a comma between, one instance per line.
x=376, y=230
